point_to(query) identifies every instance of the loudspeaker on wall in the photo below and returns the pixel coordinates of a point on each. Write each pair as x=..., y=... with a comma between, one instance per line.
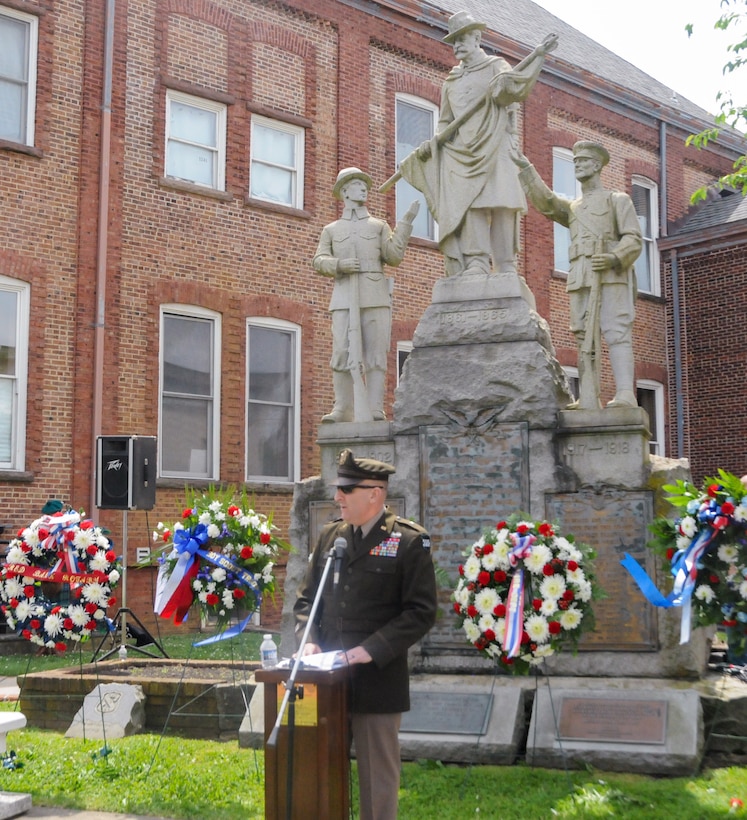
x=125, y=472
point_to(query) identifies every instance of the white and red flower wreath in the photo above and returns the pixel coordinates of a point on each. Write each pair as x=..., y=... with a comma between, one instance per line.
x=52, y=554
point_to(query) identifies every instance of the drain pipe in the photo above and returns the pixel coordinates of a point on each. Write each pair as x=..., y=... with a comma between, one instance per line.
x=677, y=331
x=103, y=241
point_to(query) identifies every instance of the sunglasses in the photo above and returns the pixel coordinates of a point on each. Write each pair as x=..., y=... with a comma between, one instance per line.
x=346, y=490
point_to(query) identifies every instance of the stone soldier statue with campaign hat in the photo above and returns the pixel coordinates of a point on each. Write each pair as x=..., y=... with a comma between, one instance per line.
x=384, y=602
x=353, y=250
x=605, y=242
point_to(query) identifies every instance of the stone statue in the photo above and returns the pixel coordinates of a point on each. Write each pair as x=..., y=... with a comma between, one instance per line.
x=465, y=171
x=354, y=250
x=605, y=242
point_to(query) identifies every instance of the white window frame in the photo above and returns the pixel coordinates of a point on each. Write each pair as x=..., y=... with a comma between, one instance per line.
x=650, y=244
x=218, y=151
x=296, y=170
x=17, y=461
x=27, y=117
x=405, y=194
x=198, y=313
x=571, y=374
x=403, y=351
x=656, y=445
x=295, y=435
x=561, y=234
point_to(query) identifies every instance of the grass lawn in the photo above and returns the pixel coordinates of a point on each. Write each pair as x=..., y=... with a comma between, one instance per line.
x=199, y=780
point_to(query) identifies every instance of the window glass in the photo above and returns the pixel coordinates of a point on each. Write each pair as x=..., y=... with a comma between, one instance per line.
x=195, y=142
x=189, y=374
x=563, y=183
x=14, y=323
x=650, y=396
x=17, y=75
x=646, y=266
x=272, y=408
x=415, y=124
x=276, y=173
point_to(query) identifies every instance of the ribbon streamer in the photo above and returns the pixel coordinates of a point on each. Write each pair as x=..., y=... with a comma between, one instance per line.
x=521, y=549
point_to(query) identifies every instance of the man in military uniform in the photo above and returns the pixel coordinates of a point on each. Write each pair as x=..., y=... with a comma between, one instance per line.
x=605, y=242
x=384, y=602
x=353, y=250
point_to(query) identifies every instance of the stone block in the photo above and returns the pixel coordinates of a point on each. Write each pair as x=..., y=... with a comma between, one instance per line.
x=13, y=804
x=111, y=710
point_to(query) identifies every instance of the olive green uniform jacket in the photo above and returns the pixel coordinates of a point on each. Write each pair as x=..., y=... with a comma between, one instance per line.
x=385, y=601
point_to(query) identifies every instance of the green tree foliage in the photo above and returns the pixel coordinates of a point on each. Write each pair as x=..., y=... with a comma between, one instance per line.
x=733, y=113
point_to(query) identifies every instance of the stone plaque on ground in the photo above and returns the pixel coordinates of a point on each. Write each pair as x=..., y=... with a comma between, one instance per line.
x=110, y=711
x=447, y=712
x=624, y=743
x=613, y=522
x=469, y=482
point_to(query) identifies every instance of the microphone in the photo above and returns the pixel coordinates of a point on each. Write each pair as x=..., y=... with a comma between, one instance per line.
x=340, y=546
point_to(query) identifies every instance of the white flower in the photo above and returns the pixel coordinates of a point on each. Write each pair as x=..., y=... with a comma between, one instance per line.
x=491, y=561
x=549, y=606
x=31, y=536
x=215, y=506
x=743, y=589
x=13, y=588
x=583, y=591
x=544, y=651
x=471, y=629
x=204, y=518
x=99, y=615
x=16, y=555
x=23, y=610
x=740, y=513
x=472, y=568
x=728, y=553
x=500, y=630
x=688, y=526
x=571, y=618
x=53, y=624
x=99, y=562
x=218, y=575
x=486, y=600
x=213, y=530
x=704, y=593
x=227, y=598
x=202, y=597
x=83, y=539
x=502, y=548
x=95, y=592
x=553, y=586
x=537, y=629
x=575, y=576
x=114, y=577
x=485, y=623
x=78, y=616
x=537, y=559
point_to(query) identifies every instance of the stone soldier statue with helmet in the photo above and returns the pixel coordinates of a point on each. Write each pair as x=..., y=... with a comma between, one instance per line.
x=605, y=242
x=353, y=250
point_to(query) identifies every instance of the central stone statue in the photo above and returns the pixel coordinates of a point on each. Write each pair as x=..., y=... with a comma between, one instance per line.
x=465, y=171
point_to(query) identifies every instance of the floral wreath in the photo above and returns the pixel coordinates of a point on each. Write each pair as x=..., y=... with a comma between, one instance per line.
x=222, y=554
x=64, y=548
x=525, y=592
x=705, y=552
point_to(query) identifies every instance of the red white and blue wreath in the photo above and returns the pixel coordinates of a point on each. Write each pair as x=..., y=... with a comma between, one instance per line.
x=56, y=550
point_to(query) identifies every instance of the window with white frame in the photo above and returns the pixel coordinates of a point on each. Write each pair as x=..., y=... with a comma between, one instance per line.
x=276, y=172
x=415, y=123
x=195, y=140
x=403, y=351
x=14, y=310
x=189, y=428
x=571, y=373
x=650, y=395
x=18, y=55
x=645, y=200
x=273, y=406
x=565, y=184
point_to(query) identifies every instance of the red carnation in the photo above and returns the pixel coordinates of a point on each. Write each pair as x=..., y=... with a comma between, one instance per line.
x=572, y=566
x=457, y=608
x=501, y=525
x=111, y=556
x=461, y=569
x=211, y=599
x=714, y=579
x=489, y=635
x=90, y=626
x=90, y=608
x=525, y=637
x=239, y=593
x=42, y=533
x=537, y=604
x=548, y=570
x=522, y=528
x=69, y=536
x=508, y=661
x=92, y=549
x=265, y=538
x=487, y=549
x=554, y=627
x=112, y=601
x=728, y=623
x=670, y=553
x=35, y=623
x=166, y=535
x=247, y=553
x=87, y=524
x=563, y=604
x=500, y=576
x=727, y=508
x=26, y=634
x=25, y=548
x=568, y=595
x=481, y=643
x=14, y=602
x=712, y=490
x=472, y=611
x=186, y=513
x=546, y=530
x=500, y=611
x=28, y=590
x=55, y=610
x=483, y=579
x=233, y=509
x=60, y=646
x=68, y=623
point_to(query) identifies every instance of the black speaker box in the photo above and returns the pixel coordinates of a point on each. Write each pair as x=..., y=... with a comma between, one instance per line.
x=125, y=472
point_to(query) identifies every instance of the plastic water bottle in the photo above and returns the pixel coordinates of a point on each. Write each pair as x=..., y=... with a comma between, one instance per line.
x=268, y=652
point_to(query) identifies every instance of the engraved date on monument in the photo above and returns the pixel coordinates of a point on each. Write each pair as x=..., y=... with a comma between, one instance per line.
x=612, y=447
x=473, y=317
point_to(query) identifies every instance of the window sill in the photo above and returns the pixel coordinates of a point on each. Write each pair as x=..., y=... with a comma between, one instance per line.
x=275, y=208
x=20, y=148
x=16, y=475
x=192, y=188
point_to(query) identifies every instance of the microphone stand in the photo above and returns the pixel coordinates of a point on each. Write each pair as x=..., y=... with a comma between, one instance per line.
x=293, y=692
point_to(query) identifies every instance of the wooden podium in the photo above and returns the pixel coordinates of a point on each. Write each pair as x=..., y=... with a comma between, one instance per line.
x=319, y=780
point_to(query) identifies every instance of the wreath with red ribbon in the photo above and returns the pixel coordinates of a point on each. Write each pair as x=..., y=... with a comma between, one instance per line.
x=57, y=580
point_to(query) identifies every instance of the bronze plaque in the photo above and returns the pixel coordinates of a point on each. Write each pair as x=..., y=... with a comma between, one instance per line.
x=613, y=522
x=613, y=720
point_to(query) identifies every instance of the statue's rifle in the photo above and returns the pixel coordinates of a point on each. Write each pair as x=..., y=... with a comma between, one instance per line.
x=442, y=136
x=361, y=406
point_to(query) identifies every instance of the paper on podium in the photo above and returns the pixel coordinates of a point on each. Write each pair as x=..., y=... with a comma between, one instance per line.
x=319, y=660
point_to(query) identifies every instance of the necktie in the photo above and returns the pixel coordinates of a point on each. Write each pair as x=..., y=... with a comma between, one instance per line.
x=357, y=537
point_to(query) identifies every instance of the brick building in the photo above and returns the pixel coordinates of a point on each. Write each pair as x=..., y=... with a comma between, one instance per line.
x=167, y=168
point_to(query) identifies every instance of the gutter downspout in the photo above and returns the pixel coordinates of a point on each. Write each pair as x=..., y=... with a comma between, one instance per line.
x=103, y=239
x=677, y=330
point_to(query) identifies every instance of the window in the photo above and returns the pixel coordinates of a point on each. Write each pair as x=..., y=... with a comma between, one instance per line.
x=195, y=140
x=18, y=45
x=650, y=397
x=571, y=373
x=276, y=173
x=647, y=264
x=272, y=413
x=14, y=310
x=415, y=123
x=403, y=351
x=563, y=183
x=190, y=389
